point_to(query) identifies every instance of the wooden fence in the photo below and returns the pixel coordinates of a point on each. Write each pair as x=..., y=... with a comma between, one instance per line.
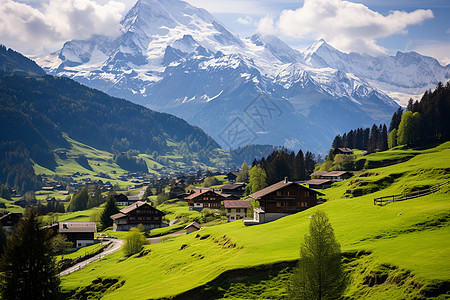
x=405, y=196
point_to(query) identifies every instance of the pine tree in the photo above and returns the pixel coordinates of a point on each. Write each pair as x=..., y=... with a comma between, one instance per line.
x=27, y=264
x=109, y=210
x=319, y=274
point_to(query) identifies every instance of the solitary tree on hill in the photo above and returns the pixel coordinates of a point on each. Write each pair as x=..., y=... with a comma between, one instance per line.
x=319, y=273
x=27, y=266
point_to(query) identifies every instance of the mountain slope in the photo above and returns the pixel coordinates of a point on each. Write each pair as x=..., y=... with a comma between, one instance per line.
x=394, y=244
x=179, y=59
x=35, y=111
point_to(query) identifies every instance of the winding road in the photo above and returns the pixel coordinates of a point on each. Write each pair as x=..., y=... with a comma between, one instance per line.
x=116, y=245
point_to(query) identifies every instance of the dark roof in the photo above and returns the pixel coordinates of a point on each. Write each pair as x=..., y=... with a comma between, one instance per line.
x=318, y=181
x=10, y=214
x=125, y=211
x=275, y=187
x=237, y=204
x=65, y=227
x=193, y=224
x=231, y=186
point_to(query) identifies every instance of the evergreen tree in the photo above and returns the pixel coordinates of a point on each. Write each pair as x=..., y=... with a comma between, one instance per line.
x=309, y=163
x=319, y=274
x=109, y=210
x=27, y=264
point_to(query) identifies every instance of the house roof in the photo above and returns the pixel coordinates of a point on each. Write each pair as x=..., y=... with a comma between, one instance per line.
x=65, y=227
x=9, y=214
x=346, y=150
x=133, y=198
x=277, y=186
x=319, y=173
x=336, y=173
x=318, y=181
x=197, y=194
x=193, y=224
x=231, y=186
x=118, y=216
x=237, y=204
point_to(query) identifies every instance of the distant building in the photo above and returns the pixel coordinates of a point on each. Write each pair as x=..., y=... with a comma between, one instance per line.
x=236, y=209
x=319, y=183
x=204, y=199
x=346, y=151
x=138, y=213
x=337, y=175
x=81, y=234
x=236, y=189
x=318, y=174
x=194, y=226
x=9, y=221
x=231, y=176
x=122, y=200
x=281, y=199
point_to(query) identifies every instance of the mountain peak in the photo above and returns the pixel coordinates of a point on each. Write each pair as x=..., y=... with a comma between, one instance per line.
x=319, y=45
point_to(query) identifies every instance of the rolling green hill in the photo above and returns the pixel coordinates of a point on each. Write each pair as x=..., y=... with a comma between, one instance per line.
x=397, y=251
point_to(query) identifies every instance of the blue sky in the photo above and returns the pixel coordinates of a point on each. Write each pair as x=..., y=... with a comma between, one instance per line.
x=367, y=26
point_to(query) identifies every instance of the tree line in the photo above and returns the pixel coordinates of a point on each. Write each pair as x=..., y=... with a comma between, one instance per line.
x=284, y=163
x=424, y=122
x=370, y=139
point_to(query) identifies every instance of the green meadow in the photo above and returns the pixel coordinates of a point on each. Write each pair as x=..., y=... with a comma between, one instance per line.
x=403, y=245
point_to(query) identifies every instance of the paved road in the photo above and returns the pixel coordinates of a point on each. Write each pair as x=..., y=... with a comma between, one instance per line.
x=142, y=191
x=116, y=245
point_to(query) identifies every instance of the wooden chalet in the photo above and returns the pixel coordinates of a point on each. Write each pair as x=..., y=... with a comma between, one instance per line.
x=138, y=213
x=283, y=198
x=337, y=175
x=236, y=189
x=81, y=234
x=9, y=221
x=319, y=183
x=346, y=151
x=236, y=209
x=204, y=199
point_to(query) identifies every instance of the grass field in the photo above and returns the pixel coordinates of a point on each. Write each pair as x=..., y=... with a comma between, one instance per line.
x=402, y=237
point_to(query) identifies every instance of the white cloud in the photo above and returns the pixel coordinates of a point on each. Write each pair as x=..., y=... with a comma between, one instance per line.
x=252, y=7
x=26, y=28
x=266, y=25
x=247, y=20
x=346, y=25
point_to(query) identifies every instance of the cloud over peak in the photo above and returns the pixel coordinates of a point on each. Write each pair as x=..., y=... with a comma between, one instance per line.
x=346, y=25
x=52, y=22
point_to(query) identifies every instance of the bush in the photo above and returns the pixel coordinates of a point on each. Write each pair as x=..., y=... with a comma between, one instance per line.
x=134, y=242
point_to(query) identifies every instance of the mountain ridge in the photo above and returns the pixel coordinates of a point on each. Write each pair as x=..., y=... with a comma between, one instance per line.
x=187, y=63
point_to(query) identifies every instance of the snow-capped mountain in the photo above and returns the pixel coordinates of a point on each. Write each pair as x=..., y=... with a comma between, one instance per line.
x=173, y=57
x=405, y=73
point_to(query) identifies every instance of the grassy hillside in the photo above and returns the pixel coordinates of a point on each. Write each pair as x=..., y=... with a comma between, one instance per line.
x=403, y=245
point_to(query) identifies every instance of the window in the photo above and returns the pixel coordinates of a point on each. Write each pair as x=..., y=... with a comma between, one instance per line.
x=229, y=210
x=238, y=210
x=278, y=193
x=280, y=204
x=232, y=217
